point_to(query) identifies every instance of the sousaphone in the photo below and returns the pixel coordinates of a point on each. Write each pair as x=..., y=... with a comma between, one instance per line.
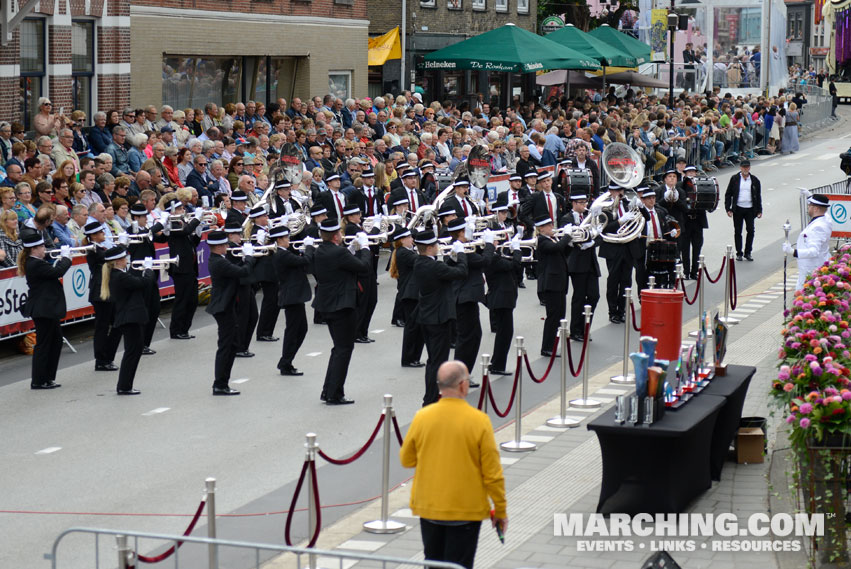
x=623, y=166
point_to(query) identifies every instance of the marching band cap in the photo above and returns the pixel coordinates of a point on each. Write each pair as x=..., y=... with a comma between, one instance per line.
x=514, y=176
x=446, y=210
x=462, y=180
x=330, y=225
x=542, y=220
x=283, y=183
x=615, y=186
x=425, y=237
x=646, y=192
x=217, y=238
x=578, y=194
x=279, y=231
x=138, y=209
x=332, y=177
x=690, y=167
x=33, y=240
x=544, y=175
x=410, y=174
x=531, y=174
x=238, y=196
x=745, y=164
x=401, y=232
x=92, y=227
x=671, y=171
x=257, y=211
x=116, y=252
x=456, y=225
x=427, y=164
x=501, y=202
x=820, y=200
x=233, y=227
x=171, y=205
x=368, y=173
x=351, y=209
x=401, y=166
x=398, y=197
x=318, y=210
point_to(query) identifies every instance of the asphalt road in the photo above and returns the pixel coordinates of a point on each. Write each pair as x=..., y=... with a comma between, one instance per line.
x=82, y=450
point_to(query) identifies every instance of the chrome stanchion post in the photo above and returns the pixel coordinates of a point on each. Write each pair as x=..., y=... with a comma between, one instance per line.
x=680, y=275
x=213, y=549
x=651, y=282
x=519, y=445
x=310, y=456
x=701, y=268
x=486, y=365
x=727, y=319
x=385, y=525
x=586, y=402
x=562, y=420
x=626, y=378
x=125, y=555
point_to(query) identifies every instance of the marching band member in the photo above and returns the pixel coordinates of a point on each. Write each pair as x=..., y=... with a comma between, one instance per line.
x=445, y=216
x=695, y=222
x=656, y=228
x=436, y=306
x=282, y=202
x=545, y=201
x=318, y=214
x=402, y=269
x=337, y=271
x=334, y=200
x=138, y=252
x=370, y=198
x=128, y=292
x=530, y=178
x=291, y=270
x=410, y=185
x=367, y=284
x=672, y=197
x=183, y=240
x=107, y=336
x=238, y=208
x=225, y=277
x=264, y=276
x=246, y=301
x=461, y=201
x=428, y=185
x=619, y=258
x=581, y=162
x=813, y=246
x=552, y=279
x=45, y=304
x=516, y=196
x=583, y=268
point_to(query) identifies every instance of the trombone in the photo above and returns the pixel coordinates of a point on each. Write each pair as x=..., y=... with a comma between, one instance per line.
x=259, y=250
x=75, y=251
x=160, y=264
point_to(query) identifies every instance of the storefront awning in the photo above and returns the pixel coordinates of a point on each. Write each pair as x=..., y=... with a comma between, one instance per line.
x=384, y=48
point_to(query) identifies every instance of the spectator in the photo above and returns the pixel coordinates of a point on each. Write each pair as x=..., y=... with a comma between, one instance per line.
x=199, y=180
x=45, y=122
x=90, y=196
x=81, y=143
x=62, y=192
x=10, y=241
x=118, y=152
x=136, y=155
x=64, y=149
x=59, y=228
x=23, y=204
x=78, y=220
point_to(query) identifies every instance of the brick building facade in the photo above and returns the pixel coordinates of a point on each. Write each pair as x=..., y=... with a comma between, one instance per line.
x=80, y=53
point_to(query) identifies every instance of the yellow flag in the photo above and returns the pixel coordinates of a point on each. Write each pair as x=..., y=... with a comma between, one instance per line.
x=385, y=47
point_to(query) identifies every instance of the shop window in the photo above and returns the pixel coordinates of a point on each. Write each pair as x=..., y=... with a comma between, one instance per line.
x=32, y=68
x=82, y=65
x=191, y=81
x=340, y=84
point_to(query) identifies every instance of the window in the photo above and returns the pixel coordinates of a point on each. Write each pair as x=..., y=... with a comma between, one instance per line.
x=32, y=68
x=428, y=3
x=479, y=5
x=82, y=65
x=340, y=84
x=455, y=5
x=522, y=6
x=190, y=81
x=501, y=5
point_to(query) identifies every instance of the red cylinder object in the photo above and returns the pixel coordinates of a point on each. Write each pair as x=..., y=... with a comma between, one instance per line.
x=662, y=318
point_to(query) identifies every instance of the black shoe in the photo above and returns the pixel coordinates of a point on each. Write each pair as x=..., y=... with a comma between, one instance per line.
x=319, y=321
x=748, y=258
x=548, y=354
x=106, y=367
x=182, y=337
x=452, y=345
x=339, y=401
x=738, y=256
x=267, y=338
x=128, y=391
x=245, y=354
x=48, y=385
x=521, y=285
x=414, y=364
x=362, y=340
x=615, y=319
x=290, y=370
x=146, y=351
x=323, y=397
x=224, y=391
x=474, y=385
x=499, y=372
x=398, y=323
x=531, y=278
x=578, y=338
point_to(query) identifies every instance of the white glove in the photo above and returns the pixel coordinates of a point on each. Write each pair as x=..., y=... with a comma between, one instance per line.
x=513, y=202
x=670, y=195
x=65, y=252
x=363, y=240
x=514, y=244
x=309, y=241
x=124, y=239
x=628, y=216
x=285, y=219
x=199, y=213
x=199, y=231
x=148, y=263
x=354, y=246
x=457, y=247
x=488, y=237
x=247, y=250
x=164, y=219
x=586, y=245
x=261, y=236
x=787, y=248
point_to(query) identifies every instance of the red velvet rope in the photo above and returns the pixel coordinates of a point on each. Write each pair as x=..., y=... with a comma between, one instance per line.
x=513, y=392
x=308, y=464
x=483, y=392
x=634, y=321
x=685, y=293
x=577, y=371
x=170, y=551
x=294, y=500
x=734, y=290
x=720, y=272
x=549, y=366
x=315, y=536
x=359, y=453
x=398, y=431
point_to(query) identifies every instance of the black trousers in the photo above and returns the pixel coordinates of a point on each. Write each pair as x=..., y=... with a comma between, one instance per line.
x=692, y=245
x=743, y=216
x=152, y=303
x=185, y=303
x=455, y=543
x=268, y=309
x=469, y=334
x=438, y=338
x=227, y=346
x=641, y=274
x=246, y=315
x=366, y=304
x=398, y=311
x=48, y=347
x=106, y=338
x=556, y=306
x=133, y=344
x=342, y=325
x=294, y=333
x=619, y=279
x=586, y=290
x=503, y=320
x=412, y=336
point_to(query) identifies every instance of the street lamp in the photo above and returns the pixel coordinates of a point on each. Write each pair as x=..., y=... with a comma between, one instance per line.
x=673, y=23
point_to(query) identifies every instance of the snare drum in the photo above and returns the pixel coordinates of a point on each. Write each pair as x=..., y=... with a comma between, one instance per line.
x=661, y=255
x=703, y=194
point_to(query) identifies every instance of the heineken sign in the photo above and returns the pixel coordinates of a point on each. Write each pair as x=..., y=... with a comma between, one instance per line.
x=551, y=24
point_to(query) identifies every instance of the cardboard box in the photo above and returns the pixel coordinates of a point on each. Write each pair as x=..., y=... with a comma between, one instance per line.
x=750, y=444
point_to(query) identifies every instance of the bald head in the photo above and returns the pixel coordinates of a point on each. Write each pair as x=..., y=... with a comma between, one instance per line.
x=453, y=379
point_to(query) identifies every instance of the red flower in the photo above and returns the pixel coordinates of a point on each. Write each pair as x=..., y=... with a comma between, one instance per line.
x=838, y=411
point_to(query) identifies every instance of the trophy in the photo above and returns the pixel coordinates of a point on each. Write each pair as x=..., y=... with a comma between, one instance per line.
x=720, y=346
x=640, y=362
x=621, y=409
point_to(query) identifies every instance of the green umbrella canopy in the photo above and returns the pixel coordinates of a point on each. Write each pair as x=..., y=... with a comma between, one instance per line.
x=510, y=49
x=607, y=54
x=629, y=44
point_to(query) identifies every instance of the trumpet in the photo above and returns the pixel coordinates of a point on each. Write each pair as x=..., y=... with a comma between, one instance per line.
x=373, y=238
x=259, y=250
x=506, y=233
x=75, y=251
x=469, y=247
x=160, y=264
x=138, y=238
x=527, y=249
x=383, y=222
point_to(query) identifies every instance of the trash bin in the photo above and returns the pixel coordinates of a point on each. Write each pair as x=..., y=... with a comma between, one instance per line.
x=662, y=318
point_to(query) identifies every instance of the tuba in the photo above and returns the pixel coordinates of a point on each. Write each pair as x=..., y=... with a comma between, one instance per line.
x=625, y=167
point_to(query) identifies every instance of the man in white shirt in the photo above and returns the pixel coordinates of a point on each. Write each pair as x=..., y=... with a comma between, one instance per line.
x=743, y=202
x=813, y=246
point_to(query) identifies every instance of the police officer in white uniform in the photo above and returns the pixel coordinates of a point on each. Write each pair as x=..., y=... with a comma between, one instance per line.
x=813, y=246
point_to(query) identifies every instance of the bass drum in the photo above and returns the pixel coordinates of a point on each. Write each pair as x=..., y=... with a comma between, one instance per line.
x=661, y=255
x=574, y=180
x=703, y=194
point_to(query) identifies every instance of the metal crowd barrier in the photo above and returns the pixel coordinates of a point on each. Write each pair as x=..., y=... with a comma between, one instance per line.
x=128, y=545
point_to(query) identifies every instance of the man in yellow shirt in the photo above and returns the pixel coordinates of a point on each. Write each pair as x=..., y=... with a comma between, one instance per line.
x=452, y=447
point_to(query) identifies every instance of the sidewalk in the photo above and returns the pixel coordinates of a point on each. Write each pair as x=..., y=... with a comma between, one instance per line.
x=562, y=475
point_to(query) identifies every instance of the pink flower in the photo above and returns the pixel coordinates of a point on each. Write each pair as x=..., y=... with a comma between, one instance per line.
x=805, y=423
x=788, y=387
x=806, y=408
x=846, y=395
x=790, y=419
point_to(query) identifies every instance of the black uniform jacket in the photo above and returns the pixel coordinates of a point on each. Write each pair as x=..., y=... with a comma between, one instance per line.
x=224, y=277
x=336, y=271
x=46, y=298
x=502, y=281
x=291, y=270
x=95, y=260
x=127, y=291
x=182, y=243
x=435, y=280
x=552, y=263
x=407, y=285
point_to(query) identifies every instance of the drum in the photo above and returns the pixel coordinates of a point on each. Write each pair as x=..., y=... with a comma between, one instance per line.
x=576, y=180
x=661, y=255
x=703, y=194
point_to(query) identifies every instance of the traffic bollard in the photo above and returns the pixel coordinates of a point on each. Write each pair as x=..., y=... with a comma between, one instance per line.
x=385, y=525
x=518, y=444
x=586, y=402
x=626, y=378
x=213, y=549
x=562, y=420
x=727, y=319
x=651, y=282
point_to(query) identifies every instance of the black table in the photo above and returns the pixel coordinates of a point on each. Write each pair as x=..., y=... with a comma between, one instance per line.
x=734, y=387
